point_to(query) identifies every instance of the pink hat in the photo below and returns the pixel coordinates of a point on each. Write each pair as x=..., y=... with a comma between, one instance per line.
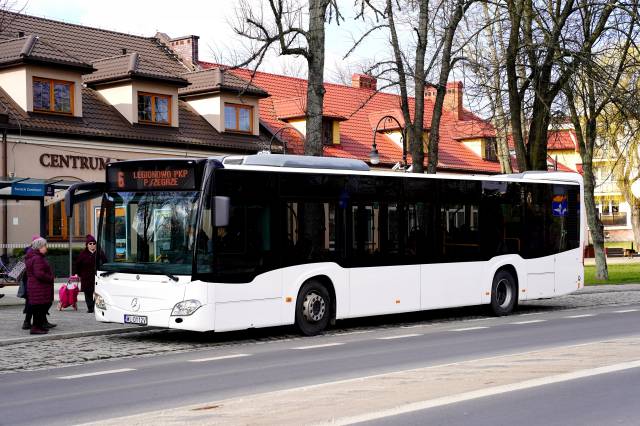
x=34, y=237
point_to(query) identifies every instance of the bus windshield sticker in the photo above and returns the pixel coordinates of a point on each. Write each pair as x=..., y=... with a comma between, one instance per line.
x=559, y=205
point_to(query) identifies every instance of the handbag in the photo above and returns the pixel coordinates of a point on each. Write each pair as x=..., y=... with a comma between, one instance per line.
x=17, y=270
x=22, y=290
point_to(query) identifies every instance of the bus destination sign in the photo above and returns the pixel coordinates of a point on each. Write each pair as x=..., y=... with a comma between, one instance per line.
x=176, y=177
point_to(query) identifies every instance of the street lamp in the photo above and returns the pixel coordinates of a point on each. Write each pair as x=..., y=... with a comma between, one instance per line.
x=284, y=143
x=374, y=156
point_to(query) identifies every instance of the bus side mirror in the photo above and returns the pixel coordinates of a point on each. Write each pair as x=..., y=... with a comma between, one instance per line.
x=222, y=210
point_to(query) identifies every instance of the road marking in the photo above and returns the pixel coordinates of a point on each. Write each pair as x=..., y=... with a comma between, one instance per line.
x=527, y=322
x=326, y=345
x=468, y=328
x=581, y=316
x=97, y=373
x=625, y=311
x=217, y=358
x=402, y=336
x=496, y=390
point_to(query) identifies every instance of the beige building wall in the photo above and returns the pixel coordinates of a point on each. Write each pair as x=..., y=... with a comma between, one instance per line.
x=68, y=160
x=121, y=98
x=124, y=98
x=209, y=107
x=14, y=82
x=18, y=83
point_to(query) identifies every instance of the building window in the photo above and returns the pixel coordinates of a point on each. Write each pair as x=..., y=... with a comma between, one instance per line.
x=238, y=118
x=490, y=153
x=52, y=96
x=327, y=132
x=154, y=109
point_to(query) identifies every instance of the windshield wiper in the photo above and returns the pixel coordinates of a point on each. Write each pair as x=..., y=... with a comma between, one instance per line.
x=172, y=277
x=107, y=273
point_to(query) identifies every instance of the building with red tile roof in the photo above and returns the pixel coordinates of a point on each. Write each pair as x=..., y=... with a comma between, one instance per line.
x=354, y=112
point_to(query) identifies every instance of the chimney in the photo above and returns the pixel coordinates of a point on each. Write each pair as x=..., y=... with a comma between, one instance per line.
x=186, y=48
x=363, y=81
x=453, y=99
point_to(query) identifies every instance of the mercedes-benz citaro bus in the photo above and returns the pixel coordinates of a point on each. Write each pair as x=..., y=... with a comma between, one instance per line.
x=264, y=240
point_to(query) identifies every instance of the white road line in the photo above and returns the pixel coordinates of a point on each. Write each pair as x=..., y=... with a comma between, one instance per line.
x=97, y=373
x=527, y=322
x=625, y=311
x=581, y=316
x=468, y=328
x=326, y=345
x=496, y=390
x=402, y=336
x=217, y=358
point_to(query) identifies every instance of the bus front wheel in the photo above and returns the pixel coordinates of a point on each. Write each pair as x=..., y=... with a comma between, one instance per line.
x=504, y=293
x=313, y=308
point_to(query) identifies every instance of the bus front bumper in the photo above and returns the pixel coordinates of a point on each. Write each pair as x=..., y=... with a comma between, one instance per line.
x=200, y=320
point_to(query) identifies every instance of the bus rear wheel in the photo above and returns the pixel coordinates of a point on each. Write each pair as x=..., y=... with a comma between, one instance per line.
x=504, y=293
x=313, y=308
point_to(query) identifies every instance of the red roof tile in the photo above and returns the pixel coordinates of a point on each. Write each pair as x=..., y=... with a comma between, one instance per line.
x=358, y=106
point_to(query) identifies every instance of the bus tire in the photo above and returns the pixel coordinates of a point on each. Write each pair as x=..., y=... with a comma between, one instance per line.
x=313, y=308
x=504, y=293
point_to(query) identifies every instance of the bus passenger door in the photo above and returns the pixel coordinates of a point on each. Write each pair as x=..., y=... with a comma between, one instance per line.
x=379, y=281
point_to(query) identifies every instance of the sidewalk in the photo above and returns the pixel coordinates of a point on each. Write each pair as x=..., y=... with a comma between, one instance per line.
x=70, y=323
x=613, y=260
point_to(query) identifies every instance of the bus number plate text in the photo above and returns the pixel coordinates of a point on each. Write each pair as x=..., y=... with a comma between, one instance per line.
x=135, y=319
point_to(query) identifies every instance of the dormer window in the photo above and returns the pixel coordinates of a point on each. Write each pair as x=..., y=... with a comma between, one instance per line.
x=327, y=132
x=53, y=96
x=238, y=118
x=154, y=108
x=490, y=153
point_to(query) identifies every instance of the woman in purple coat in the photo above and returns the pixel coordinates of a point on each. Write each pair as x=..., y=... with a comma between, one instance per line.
x=86, y=269
x=39, y=285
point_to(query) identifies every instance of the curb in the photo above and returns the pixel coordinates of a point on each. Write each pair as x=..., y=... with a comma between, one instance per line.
x=61, y=336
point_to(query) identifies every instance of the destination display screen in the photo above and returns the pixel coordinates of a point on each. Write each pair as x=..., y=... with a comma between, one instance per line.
x=152, y=176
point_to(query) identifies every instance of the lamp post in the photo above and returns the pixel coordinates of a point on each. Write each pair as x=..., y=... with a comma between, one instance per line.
x=284, y=143
x=374, y=156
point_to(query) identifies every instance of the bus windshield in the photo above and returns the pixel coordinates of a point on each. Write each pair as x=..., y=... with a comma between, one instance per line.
x=149, y=232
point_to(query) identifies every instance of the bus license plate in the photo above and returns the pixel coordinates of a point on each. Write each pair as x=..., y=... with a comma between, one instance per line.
x=135, y=319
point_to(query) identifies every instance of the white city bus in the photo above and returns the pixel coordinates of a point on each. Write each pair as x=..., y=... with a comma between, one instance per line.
x=265, y=240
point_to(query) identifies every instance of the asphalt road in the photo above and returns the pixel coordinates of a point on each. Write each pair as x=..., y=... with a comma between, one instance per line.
x=607, y=399
x=114, y=388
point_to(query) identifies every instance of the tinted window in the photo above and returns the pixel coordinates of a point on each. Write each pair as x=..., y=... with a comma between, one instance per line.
x=460, y=220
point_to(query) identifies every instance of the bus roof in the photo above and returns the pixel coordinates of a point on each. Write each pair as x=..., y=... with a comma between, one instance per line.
x=309, y=164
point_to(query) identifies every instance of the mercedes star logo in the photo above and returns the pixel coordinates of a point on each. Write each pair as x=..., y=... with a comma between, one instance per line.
x=135, y=305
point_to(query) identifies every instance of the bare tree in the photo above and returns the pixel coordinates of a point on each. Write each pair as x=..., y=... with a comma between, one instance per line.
x=408, y=68
x=595, y=84
x=454, y=12
x=542, y=42
x=282, y=28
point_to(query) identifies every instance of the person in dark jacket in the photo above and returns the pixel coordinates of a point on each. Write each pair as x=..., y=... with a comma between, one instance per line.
x=39, y=286
x=86, y=269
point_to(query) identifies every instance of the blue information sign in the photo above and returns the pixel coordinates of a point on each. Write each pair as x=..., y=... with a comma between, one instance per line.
x=25, y=189
x=559, y=205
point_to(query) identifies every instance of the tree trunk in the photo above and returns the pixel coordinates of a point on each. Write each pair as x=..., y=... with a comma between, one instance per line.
x=635, y=225
x=445, y=68
x=538, y=136
x=416, y=146
x=315, y=85
x=594, y=222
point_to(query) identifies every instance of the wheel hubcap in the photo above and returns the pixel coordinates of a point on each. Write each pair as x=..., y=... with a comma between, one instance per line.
x=503, y=293
x=313, y=307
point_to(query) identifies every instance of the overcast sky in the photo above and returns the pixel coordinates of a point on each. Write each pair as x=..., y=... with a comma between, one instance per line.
x=208, y=19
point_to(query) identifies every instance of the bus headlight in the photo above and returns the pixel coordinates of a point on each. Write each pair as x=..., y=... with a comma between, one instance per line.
x=99, y=302
x=185, y=308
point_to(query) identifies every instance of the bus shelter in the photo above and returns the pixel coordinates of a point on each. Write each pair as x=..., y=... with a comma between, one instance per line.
x=46, y=192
